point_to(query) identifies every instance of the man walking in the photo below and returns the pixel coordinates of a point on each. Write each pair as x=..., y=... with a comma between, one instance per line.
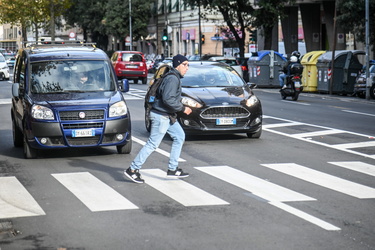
x=163, y=120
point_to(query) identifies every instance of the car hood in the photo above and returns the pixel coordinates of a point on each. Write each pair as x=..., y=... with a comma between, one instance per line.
x=93, y=99
x=218, y=95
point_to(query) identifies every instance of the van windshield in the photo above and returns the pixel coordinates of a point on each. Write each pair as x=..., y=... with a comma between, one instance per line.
x=71, y=76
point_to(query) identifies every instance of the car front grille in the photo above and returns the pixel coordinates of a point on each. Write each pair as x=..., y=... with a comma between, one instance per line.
x=217, y=112
x=84, y=141
x=82, y=125
x=75, y=115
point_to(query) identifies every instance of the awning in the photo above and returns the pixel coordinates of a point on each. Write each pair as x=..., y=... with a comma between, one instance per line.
x=151, y=36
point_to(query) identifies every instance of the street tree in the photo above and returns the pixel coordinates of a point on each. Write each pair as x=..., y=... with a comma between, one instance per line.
x=351, y=16
x=244, y=15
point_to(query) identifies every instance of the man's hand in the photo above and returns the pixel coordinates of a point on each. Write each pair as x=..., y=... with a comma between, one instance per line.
x=187, y=110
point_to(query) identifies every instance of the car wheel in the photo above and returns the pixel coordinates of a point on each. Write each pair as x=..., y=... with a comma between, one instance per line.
x=147, y=119
x=135, y=81
x=372, y=91
x=17, y=135
x=255, y=135
x=28, y=152
x=125, y=149
x=2, y=76
x=144, y=80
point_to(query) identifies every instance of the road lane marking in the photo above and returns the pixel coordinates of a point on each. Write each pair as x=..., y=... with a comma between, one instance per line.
x=317, y=133
x=324, y=180
x=5, y=101
x=305, y=216
x=358, y=113
x=259, y=187
x=179, y=190
x=356, y=166
x=272, y=193
x=294, y=102
x=95, y=194
x=160, y=151
x=303, y=136
x=16, y=201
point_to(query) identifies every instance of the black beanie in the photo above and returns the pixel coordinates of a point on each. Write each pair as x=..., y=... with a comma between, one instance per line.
x=178, y=59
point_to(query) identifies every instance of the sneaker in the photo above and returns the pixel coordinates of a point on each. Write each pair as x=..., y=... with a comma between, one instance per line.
x=284, y=87
x=134, y=175
x=177, y=173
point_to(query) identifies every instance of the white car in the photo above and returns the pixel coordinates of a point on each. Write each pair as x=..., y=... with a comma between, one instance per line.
x=231, y=61
x=4, y=69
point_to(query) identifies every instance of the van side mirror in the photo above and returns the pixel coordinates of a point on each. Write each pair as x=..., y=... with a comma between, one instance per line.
x=123, y=85
x=16, y=90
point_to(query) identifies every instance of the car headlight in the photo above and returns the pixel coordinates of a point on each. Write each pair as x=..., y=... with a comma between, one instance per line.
x=118, y=109
x=252, y=101
x=187, y=101
x=42, y=113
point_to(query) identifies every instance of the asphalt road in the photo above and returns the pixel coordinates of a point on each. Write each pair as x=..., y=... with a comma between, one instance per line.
x=307, y=183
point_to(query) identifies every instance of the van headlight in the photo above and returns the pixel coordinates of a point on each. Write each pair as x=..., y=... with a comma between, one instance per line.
x=42, y=113
x=118, y=109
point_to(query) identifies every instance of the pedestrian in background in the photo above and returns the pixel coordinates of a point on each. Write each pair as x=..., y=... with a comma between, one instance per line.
x=163, y=120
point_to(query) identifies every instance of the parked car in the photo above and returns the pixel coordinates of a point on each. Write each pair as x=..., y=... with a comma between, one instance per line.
x=10, y=58
x=67, y=96
x=221, y=101
x=231, y=61
x=130, y=65
x=4, y=69
x=360, y=84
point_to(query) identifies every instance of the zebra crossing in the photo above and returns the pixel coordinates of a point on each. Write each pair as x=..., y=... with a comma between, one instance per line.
x=363, y=145
x=97, y=196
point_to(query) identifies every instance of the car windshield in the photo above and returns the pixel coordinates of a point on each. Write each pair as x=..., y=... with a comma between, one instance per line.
x=71, y=76
x=214, y=75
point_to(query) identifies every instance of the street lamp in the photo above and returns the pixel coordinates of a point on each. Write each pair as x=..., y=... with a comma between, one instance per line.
x=130, y=25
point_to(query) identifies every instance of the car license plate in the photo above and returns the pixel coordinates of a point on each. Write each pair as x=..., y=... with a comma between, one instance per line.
x=226, y=121
x=132, y=66
x=83, y=133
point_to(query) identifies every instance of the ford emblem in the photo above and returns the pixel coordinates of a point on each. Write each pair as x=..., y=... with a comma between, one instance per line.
x=82, y=115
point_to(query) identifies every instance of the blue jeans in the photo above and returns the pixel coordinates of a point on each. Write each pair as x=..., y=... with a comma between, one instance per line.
x=160, y=125
x=282, y=79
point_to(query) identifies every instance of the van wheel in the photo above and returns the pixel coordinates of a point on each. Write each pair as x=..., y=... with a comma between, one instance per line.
x=125, y=149
x=17, y=135
x=28, y=152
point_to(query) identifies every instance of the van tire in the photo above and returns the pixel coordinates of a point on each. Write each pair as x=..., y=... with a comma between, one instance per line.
x=125, y=149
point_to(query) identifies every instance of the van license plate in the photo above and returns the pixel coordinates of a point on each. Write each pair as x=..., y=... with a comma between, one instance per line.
x=83, y=133
x=226, y=121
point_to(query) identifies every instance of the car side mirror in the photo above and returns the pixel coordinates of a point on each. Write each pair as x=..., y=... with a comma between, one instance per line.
x=124, y=85
x=252, y=85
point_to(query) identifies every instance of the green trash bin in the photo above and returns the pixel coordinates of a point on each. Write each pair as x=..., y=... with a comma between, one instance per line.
x=310, y=72
x=346, y=69
x=264, y=68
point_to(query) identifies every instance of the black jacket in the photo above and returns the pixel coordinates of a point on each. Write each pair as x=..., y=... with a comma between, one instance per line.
x=168, y=100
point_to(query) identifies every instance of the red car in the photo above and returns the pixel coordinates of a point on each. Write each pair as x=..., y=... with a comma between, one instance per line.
x=130, y=65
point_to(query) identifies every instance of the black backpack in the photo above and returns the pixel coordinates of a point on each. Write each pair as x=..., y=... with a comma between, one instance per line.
x=152, y=90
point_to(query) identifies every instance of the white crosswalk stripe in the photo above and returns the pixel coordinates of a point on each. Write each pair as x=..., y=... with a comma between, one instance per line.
x=356, y=166
x=15, y=200
x=324, y=180
x=180, y=191
x=95, y=194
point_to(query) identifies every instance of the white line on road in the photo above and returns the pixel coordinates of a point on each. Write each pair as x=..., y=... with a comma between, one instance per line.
x=299, y=103
x=359, y=113
x=274, y=194
x=180, y=191
x=259, y=187
x=356, y=166
x=95, y=194
x=324, y=180
x=16, y=201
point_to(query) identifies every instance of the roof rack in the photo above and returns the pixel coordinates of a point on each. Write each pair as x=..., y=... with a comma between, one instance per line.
x=60, y=43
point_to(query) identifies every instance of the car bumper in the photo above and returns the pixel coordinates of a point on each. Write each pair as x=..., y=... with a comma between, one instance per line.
x=132, y=73
x=48, y=135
